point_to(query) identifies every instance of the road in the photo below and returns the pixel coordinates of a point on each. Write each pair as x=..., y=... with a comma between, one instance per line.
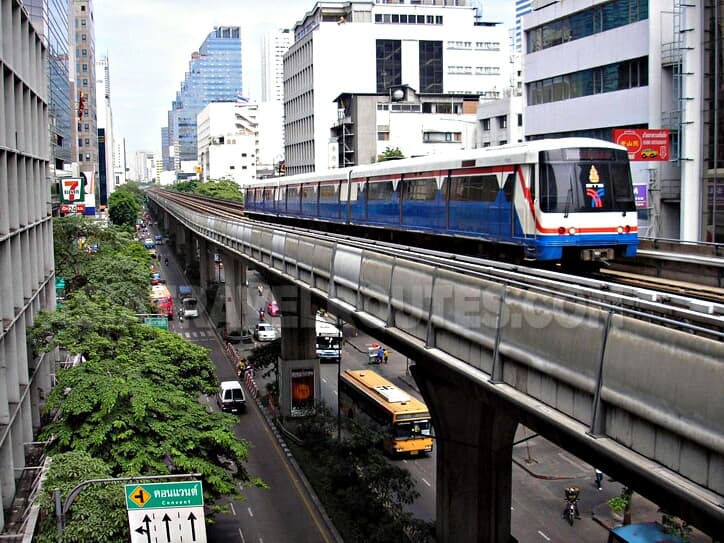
x=284, y=511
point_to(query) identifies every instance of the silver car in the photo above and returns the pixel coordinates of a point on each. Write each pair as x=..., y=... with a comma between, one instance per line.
x=265, y=332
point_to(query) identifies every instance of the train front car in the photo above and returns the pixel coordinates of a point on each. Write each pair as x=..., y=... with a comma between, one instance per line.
x=584, y=204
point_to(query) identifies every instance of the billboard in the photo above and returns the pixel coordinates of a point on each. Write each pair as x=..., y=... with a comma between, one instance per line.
x=302, y=391
x=643, y=144
x=71, y=190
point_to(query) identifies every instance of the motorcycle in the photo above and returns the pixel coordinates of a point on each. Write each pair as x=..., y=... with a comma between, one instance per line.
x=570, y=512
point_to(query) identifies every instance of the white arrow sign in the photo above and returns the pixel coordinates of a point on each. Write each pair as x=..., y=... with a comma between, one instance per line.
x=173, y=525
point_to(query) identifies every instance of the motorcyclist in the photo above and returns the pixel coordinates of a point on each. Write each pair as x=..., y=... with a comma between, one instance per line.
x=165, y=261
x=572, y=493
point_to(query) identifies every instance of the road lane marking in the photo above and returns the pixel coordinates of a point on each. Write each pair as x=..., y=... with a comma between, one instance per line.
x=425, y=481
x=233, y=511
x=251, y=513
x=324, y=380
x=544, y=536
x=241, y=535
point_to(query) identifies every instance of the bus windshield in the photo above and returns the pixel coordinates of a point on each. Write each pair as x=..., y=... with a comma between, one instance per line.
x=412, y=429
x=585, y=180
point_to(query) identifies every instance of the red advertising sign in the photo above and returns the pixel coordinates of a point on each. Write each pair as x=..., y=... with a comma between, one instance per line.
x=642, y=144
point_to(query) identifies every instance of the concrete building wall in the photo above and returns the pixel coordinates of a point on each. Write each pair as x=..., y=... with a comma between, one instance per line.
x=26, y=240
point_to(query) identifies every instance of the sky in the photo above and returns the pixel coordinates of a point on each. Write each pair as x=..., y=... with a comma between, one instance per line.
x=149, y=44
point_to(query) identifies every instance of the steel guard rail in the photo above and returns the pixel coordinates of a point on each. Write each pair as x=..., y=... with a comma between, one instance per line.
x=651, y=389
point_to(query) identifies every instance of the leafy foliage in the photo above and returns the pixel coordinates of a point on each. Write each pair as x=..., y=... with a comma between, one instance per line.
x=123, y=208
x=390, y=153
x=97, y=514
x=365, y=494
x=221, y=188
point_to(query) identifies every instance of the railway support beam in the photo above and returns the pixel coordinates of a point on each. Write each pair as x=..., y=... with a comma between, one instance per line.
x=474, y=443
x=204, y=259
x=235, y=293
x=299, y=375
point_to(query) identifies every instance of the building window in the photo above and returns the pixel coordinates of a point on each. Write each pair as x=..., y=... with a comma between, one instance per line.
x=584, y=23
x=383, y=136
x=389, y=64
x=83, y=37
x=502, y=121
x=609, y=78
x=430, y=54
x=486, y=125
x=87, y=142
x=80, y=142
x=502, y=142
x=520, y=119
x=80, y=157
x=85, y=67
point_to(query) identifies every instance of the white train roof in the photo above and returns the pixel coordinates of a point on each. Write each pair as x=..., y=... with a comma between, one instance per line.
x=513, y=153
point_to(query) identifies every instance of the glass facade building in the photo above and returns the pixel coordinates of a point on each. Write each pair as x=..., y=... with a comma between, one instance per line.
x=50, y=19
x=214, y=75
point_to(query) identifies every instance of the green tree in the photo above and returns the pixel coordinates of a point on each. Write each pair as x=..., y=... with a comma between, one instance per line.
x=134, y=189
x=97, y=514
x=120, y=278
x=186, y=186
x=390, y=153
x=77, y=241
x=224, y=189
x=123, y=208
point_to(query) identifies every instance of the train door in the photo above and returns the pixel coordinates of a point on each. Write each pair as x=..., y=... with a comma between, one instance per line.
x=506, y=208
x=525, y=199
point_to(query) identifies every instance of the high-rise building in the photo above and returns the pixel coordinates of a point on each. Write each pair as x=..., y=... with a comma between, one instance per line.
x=83, y=75
x=522, y=7
x=214, y=75
x=274, y=45
x=27, y=264
x=119, y=162
x=579, y=83
x=375, y=48
x=50, y=18
x=166, y=161
x=105, y=131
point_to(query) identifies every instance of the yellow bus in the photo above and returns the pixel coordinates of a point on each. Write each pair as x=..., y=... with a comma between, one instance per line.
x=403, y=421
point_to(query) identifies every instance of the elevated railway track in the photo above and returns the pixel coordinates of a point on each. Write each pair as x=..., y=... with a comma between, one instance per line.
x=694, y=308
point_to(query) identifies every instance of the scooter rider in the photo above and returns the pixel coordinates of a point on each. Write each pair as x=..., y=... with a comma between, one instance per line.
x=572, y=493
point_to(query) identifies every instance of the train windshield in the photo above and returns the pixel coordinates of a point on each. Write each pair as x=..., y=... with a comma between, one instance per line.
x=585, y=180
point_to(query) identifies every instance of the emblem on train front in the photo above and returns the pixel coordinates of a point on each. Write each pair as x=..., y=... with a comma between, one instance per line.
x=594, y=188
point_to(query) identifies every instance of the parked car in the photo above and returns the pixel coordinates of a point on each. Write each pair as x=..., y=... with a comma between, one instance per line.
x=273, y=309
x=265, y=332
x=231, y=397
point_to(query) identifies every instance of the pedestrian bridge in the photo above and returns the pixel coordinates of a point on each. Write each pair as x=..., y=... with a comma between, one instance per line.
x=642, y=401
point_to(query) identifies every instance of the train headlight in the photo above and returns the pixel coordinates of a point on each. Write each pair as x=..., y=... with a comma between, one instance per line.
x=627, y=229
x=620, y=229
x=561, y=230
x=572, y=230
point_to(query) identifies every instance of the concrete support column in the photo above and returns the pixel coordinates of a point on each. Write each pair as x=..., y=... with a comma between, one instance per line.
x=179, y=239
x=474, y=458
x=204, y=258
x=233, y=271
x=299, y=380
x=190, y=249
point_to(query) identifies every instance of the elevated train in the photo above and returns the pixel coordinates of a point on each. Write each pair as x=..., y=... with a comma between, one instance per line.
x=567, y=200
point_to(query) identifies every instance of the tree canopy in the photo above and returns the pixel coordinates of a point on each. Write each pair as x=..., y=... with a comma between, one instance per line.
x=390, y=153
x=123, y=208
x=219, y=188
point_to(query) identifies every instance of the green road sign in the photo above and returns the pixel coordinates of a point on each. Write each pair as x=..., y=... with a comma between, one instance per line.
x=156, y=322
x=164, y=495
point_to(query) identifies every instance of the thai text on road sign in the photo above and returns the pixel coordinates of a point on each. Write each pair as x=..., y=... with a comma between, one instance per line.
x=160, y=495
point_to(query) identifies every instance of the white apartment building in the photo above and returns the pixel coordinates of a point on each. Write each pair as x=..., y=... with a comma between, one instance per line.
x=363, y=48
x=227, y=142
x=144, y=167
x=104, y=115
x=120, y=167
x=500, y=121
x=594, y=66
x=274, y=46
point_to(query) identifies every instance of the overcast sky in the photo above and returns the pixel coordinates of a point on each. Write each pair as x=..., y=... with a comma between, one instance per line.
x=149, y=44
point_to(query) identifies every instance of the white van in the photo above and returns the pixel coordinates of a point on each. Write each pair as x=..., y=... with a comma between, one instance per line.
x=231, y=397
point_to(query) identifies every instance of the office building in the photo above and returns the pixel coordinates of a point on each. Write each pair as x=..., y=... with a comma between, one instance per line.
x=120, y=168
x=83, y=76
x=26, y=251
x=214, y=75
x=579, y=82
x=274, y=46
x=227, y=135
x=105, y=131
x=50, y=19
x=363, y=48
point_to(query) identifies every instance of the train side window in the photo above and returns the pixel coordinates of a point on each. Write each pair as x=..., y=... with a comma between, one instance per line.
x=379, y=190
x=329, y=193
x=474, y=188
x=509, y=187
x=419, y=189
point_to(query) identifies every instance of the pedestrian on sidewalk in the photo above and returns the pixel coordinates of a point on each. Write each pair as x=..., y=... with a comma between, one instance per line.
x=386, y=355
x=599, y=478
x=380, y=354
